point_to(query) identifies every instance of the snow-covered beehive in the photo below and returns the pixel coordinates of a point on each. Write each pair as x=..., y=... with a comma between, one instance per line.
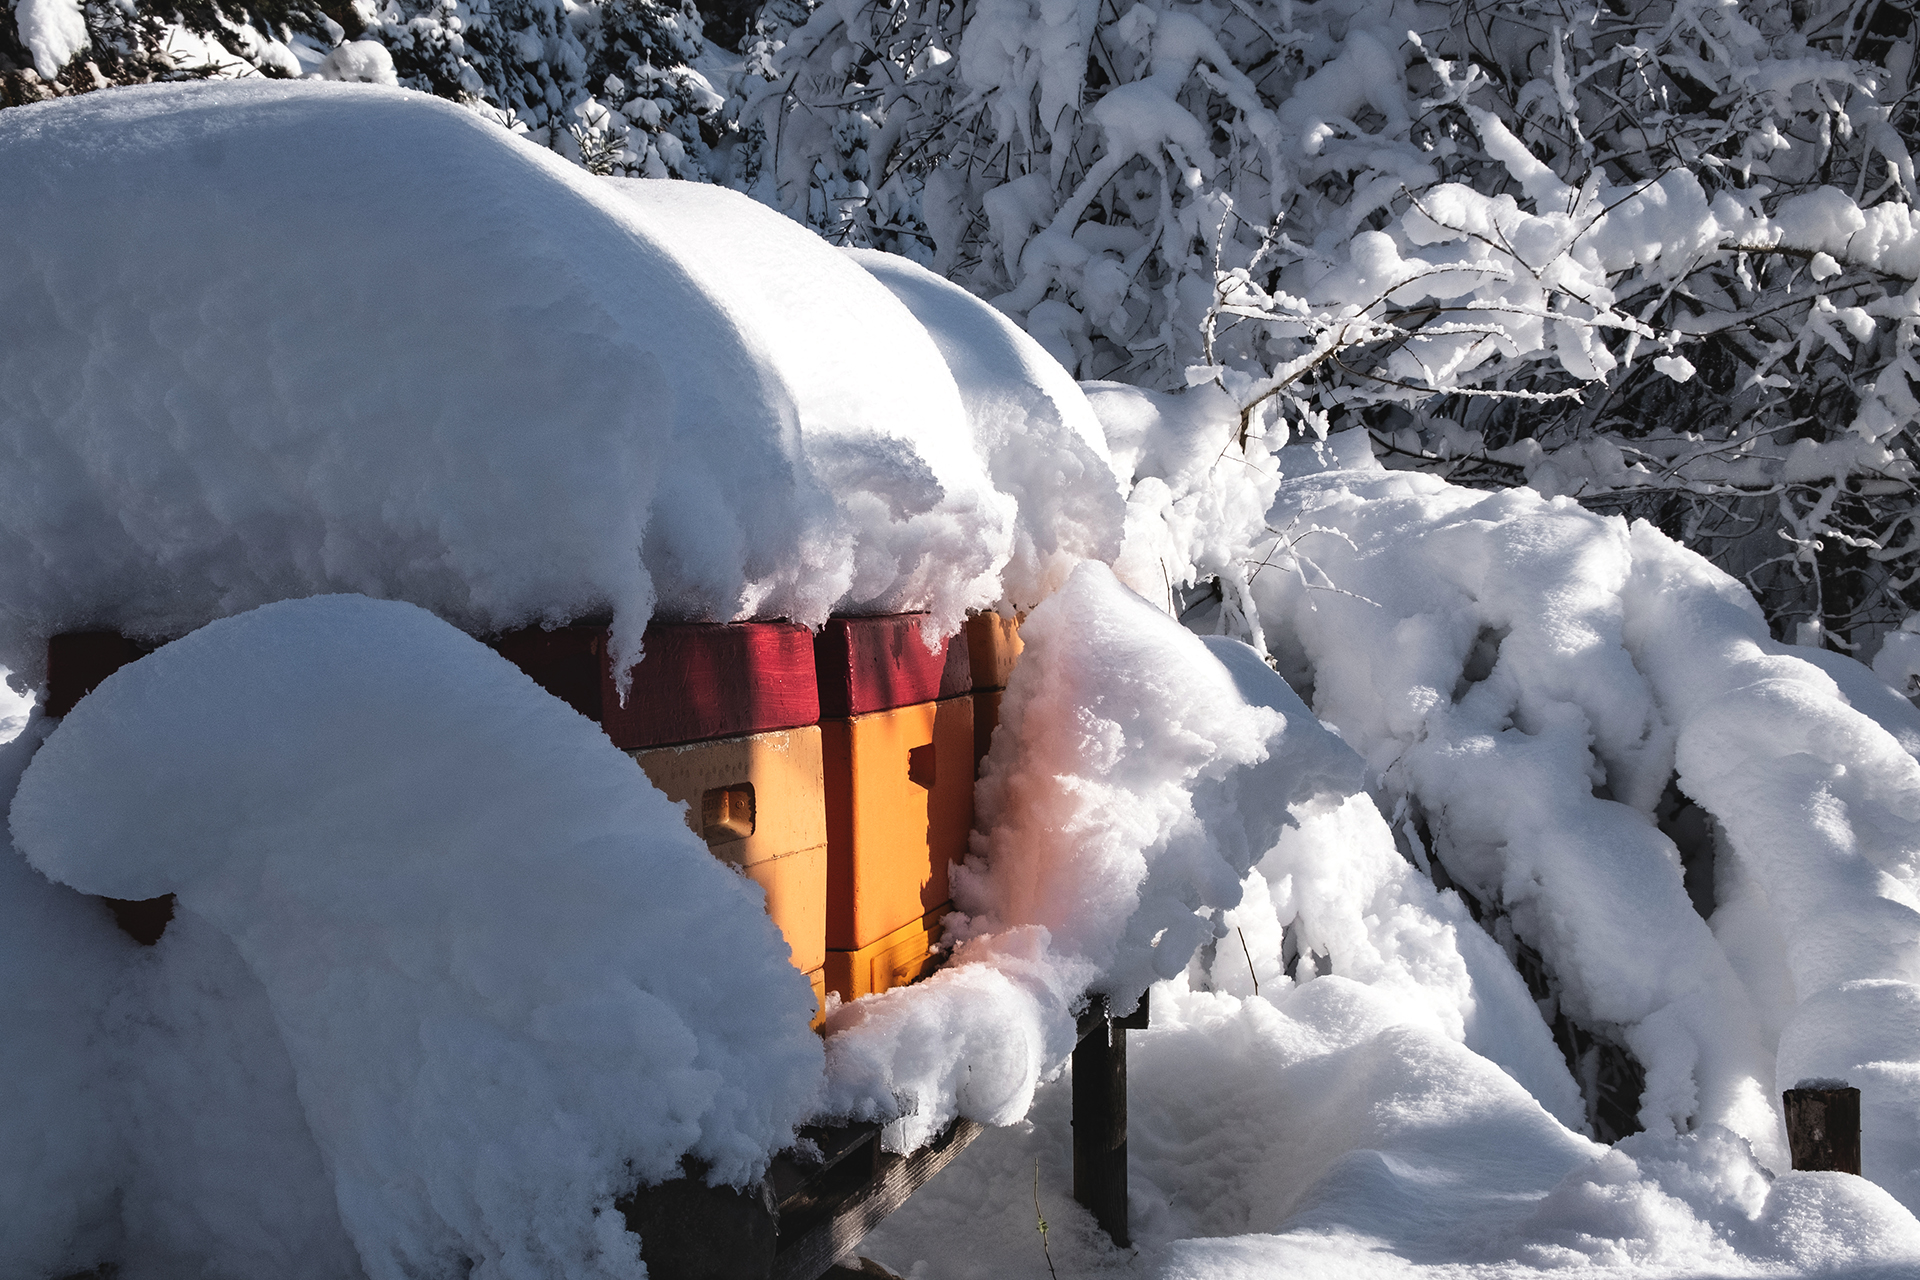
x=269, y=341
x=261, y=342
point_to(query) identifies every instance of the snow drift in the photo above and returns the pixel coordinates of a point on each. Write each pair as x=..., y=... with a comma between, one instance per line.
x=1152, y=804
x=1707, y=840
x=509, y=983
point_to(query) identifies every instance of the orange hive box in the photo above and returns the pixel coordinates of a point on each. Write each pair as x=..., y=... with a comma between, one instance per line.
x=899, y=806
x=897, y=733
x=904, y=956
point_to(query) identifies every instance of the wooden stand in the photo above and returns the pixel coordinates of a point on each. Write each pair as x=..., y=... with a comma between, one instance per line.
x=806, y=1215
x=1823, y=1129
x=1100, y=1115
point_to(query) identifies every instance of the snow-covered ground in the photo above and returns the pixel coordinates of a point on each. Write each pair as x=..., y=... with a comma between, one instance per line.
x=318, y=377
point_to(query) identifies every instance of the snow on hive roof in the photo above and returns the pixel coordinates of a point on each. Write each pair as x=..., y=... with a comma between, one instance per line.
x=266, y=340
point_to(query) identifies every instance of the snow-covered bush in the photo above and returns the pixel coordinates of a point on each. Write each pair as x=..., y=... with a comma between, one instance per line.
x=1697, y=844
x=612, y=84
x=1653, y=255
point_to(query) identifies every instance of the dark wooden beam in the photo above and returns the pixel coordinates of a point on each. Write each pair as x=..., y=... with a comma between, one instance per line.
x=814, y=1206
x=823, y=1229
x=1100, y=1115
x=1823, y=1128
x=691, y=1231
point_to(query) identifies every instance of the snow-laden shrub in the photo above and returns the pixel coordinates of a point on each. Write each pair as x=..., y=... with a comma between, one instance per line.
x=1653, y=255
x=612, y=85
x=1698, y=845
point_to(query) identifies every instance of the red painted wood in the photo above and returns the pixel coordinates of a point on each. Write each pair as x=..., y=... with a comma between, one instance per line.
x=568, y=662
x=877, y=664
x=79, y=660
x=714, y=680
x=698, y=681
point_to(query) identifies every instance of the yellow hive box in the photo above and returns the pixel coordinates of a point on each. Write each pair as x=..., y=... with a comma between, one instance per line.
x=904, y=956
x=758, y=801
x=899, y=806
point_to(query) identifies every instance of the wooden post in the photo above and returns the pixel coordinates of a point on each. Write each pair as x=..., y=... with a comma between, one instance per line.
x=1100, y=1115
x=1823, y=1127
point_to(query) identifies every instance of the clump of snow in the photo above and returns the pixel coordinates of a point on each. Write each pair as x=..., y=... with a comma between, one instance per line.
x=52, y=30
x=263, y=340
x=1155, y=805
x=1031, y=422
x=509, y=984
x=1111, y=806
x=363, y=61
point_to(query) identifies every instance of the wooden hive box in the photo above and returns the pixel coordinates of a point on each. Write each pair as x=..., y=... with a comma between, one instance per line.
x=897, y=731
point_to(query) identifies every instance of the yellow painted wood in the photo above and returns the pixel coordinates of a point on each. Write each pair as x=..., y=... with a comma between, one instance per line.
x=759, y=802
x=902, y=957
x=899, y=808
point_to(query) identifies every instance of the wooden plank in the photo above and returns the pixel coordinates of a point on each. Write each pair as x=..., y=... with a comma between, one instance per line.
x=691, y=1231
x=1823, y=1128
x=815, y=1236
x=865, y=665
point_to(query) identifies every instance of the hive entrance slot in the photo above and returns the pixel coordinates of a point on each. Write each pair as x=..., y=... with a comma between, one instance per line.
x=727, y=813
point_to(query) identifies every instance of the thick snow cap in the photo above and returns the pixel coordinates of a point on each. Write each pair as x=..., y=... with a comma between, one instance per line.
x=269, y=340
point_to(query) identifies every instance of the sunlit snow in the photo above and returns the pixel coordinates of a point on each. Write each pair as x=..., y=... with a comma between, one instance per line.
x=318, y=382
